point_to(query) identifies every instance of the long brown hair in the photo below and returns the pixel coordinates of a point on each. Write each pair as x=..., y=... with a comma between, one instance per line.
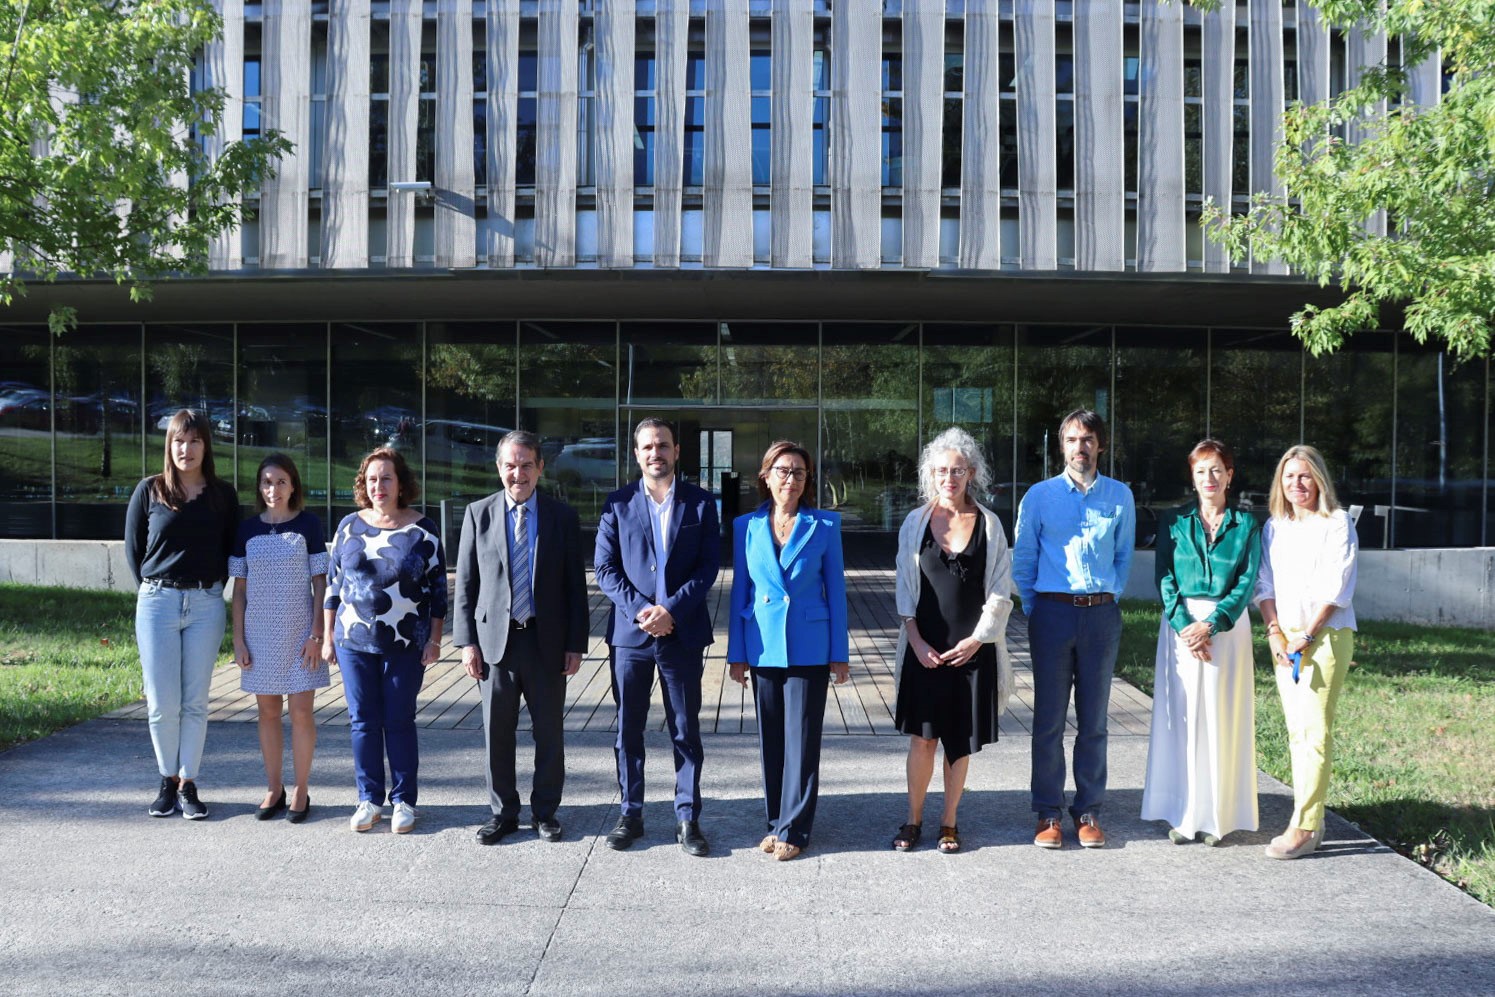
x=778, y=449
x=298, y=494
x=169, y=490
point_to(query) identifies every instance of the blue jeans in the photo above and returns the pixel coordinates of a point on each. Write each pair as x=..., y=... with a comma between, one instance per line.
x=1074, y=650
x=178, y=632
x=381, y=691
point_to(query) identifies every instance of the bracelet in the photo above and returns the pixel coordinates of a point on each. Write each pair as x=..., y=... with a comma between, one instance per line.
x=1308, y=637
x=433, y=643
x=315, y=637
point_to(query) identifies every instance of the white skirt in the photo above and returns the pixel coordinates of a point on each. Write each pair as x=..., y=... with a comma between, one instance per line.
x=1201, y=758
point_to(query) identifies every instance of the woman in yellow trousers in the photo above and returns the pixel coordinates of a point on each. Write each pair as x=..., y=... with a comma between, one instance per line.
x=1305, y=592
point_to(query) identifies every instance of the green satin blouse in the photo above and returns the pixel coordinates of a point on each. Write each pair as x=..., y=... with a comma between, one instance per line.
x=1189, y=567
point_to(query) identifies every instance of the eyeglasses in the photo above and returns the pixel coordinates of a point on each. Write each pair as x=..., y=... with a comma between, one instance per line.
x=951, y=472
x=786, y=473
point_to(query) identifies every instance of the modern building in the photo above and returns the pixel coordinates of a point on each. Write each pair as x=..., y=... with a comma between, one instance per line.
x=850, y=223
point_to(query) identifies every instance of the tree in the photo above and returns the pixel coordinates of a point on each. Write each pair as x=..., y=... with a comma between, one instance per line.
x=1431, y=169
x=102, y=171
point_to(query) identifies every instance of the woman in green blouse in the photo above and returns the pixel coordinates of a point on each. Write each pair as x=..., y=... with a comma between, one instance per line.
x=1201, y=760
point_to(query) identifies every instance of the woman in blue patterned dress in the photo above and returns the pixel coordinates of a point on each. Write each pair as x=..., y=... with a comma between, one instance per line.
x=385, y=609
x=280, y=561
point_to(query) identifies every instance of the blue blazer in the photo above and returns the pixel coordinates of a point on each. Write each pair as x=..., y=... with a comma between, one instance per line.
x=788, y=607
x=626, y=562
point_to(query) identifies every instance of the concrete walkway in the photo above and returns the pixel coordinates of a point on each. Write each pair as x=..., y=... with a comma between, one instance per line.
x=95, y=897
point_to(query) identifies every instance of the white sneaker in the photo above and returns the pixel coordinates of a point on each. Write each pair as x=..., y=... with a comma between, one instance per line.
x=366, y=816
x=403, y=819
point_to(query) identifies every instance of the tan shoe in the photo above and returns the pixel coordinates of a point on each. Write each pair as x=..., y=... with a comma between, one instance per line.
x=1279, y=848
x=1050, y=833
x=1089, y=832
x=784, y=851
x=768, y=843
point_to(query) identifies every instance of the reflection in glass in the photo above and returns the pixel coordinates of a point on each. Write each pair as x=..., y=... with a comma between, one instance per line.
x=1347, y=413
x=870, y=422
x=101, y=422
x=470, y=405
x=968, y=383
x=568, y=378
x=283, y=405
x=1256, y=380
x=376, y=371
x=769, y=363
x=25, y=436
x=1059, y=369
x=1440, y=450
x=668, y=363
x=1161, y=381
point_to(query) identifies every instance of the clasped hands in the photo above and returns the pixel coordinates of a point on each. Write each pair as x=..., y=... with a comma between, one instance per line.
x=1197, y=637
x=656, y=621
x=955, y=657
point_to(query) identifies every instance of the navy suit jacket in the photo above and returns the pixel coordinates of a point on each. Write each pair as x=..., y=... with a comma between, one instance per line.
x=788, y=607
x=626, y=562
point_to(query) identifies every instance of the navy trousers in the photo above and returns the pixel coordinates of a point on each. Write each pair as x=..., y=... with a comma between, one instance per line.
x=520, y=673
x=679, y=667
x=381, y=690
x=1074, y=650
x=791, y=714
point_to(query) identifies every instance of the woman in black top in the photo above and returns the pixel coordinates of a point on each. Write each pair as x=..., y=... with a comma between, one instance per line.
x=179, y=530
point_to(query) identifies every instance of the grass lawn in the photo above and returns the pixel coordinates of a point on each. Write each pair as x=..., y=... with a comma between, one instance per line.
x=1415, y=723
x=65, y=656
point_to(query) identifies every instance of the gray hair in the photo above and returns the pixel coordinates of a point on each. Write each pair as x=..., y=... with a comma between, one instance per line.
x=957, y=439
x=519, y=438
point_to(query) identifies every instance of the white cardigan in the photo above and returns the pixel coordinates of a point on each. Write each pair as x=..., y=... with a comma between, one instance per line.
x=992, y=627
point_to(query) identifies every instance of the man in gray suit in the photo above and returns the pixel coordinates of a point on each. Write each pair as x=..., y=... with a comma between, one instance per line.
x=520, y=617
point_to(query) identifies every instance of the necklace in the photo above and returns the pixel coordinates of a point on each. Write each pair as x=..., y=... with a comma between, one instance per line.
x=276, y=524
x=1210, y=528
x=782, y=528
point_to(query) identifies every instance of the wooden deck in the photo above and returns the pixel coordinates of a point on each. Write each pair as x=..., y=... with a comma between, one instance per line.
x=450, y=700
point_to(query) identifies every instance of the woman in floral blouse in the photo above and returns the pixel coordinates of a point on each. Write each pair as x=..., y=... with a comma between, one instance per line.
x=385, y=608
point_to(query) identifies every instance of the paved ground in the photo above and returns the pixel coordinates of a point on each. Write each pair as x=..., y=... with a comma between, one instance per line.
x=95, y=897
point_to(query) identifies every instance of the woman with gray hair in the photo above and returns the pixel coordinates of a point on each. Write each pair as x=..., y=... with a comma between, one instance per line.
x=954, y=595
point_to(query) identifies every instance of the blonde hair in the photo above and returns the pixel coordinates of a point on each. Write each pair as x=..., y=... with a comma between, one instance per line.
x=1277, y=502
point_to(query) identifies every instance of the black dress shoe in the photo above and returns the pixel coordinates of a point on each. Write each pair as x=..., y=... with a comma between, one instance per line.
x=629, y=830
x=298, y=816
x=274, y=809
x=691, y=839
x=548, y=828
x=494, y=831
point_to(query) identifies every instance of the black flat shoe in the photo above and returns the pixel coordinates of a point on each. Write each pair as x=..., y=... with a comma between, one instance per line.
x=298, y=816
x=629, y=830
x=273, y=810
x=688, y=833
x=496, y=830
x=548, y=829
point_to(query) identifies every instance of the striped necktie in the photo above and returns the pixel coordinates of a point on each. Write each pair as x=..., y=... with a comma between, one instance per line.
x=521, y=599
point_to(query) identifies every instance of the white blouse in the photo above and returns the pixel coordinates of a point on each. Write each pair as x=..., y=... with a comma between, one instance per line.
x=1306, y=563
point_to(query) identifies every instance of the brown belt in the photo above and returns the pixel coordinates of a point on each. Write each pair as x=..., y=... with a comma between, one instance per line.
x=1082, y=601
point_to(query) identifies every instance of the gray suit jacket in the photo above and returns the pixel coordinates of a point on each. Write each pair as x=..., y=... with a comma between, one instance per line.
x=480, y=610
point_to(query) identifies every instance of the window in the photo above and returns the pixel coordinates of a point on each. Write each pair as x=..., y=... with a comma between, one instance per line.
x=527, y=120
x=251, y=97
x=892, y=120
x=644, y=105
x=1008, y=124
x=822, y=72
x=760, y=71
x=1131, y=88
x=694, y=165
x=1064, y=123
x=586, y=110
x=1240, y=153
x=1193, y=127
x=425, y=125
x=954, y=114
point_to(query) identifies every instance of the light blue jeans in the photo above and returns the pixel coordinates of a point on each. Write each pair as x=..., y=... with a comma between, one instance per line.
x=179, y=632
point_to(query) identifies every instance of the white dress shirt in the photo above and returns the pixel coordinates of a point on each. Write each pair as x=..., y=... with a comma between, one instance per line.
x=1306, y=563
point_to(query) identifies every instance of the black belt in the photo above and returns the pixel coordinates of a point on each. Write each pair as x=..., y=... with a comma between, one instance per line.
x=1083, y=601
x=178, y=583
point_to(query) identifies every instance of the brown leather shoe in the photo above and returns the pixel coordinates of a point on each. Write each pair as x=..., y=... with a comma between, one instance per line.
x=1089, y=832
x=1050, y=833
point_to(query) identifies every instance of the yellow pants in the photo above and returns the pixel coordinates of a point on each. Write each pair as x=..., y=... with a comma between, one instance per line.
x=1308, y=707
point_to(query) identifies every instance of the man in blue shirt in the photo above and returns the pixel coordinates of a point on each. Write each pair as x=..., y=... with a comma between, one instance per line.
x=1070, y=559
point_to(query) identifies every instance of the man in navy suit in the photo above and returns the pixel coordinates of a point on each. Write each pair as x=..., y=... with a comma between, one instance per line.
x=657, y=558
x=520, y=617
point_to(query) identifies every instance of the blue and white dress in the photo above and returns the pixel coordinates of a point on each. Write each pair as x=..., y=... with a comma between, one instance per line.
x=276, y=564
x=386, y=585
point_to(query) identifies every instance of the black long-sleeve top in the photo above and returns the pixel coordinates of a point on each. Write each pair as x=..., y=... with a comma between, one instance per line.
x=190, y=544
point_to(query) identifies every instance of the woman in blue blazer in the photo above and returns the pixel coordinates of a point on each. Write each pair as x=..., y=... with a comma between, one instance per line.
x=788, y=624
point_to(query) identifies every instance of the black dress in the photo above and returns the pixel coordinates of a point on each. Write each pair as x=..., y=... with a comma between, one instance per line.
x=956, y=705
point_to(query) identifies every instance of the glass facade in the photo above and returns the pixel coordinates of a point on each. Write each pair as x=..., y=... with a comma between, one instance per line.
x=1407, y=432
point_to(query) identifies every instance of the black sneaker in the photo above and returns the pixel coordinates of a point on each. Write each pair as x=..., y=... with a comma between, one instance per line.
x=192, y=807
x=166, y=802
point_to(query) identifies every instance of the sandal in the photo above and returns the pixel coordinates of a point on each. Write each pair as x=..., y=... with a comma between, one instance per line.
x=949, y=839
x=907, y=837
